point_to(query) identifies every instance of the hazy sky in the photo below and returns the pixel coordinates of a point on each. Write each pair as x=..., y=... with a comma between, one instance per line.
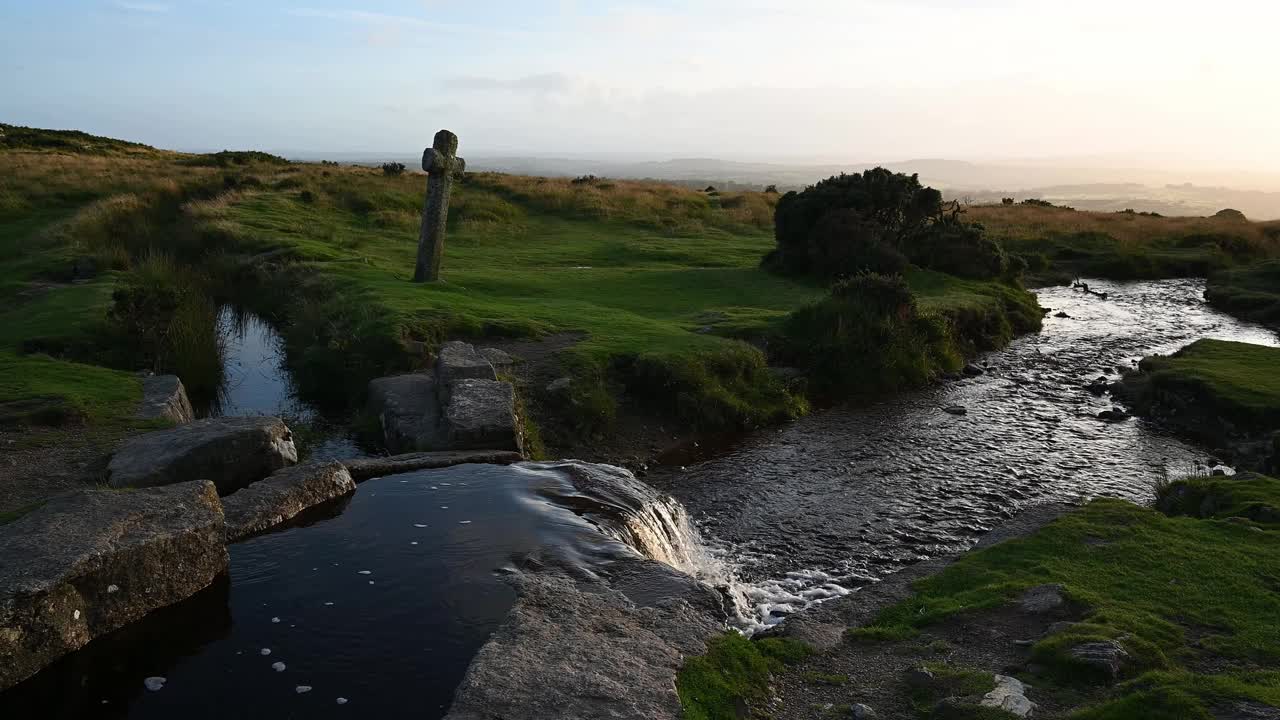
x=1171, y=82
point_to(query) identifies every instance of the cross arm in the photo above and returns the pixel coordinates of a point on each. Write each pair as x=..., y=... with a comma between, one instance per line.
x=435, y=161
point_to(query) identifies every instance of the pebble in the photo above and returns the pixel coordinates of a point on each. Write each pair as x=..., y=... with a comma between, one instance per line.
x=113, y=589
x=370, y=582
x=413, y=542
x=154, y=684
x=328, y=603
x=444, y=507
x=302, y=689
x=277, y=666
x=75, y=615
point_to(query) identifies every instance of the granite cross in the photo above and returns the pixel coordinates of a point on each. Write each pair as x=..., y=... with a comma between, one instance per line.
x=442, y=164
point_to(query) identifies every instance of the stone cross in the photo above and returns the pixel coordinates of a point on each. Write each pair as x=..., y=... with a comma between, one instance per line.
x=442, y=164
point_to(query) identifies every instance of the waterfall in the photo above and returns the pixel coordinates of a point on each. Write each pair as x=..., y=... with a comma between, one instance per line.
x=649, y=522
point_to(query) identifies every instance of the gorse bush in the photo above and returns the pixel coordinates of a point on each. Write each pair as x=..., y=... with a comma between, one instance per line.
x=392, y=169
x=877, y=221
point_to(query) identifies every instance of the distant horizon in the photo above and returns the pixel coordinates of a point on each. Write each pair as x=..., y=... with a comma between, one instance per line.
x=1163, y=85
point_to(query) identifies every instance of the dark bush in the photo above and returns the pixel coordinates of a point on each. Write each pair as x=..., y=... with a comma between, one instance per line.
x=867, y=336
x=896, y=202
x=771, y=189
x=957, y=248
x=1006, y=201
x=845, y=243
x=392, y=169
x=307, y=196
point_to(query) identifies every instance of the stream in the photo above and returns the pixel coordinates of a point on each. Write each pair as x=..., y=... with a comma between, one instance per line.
x=840, y=498
x=374, y=605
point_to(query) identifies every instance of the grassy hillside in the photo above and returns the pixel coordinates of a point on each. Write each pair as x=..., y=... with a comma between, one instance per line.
x=1060, y=243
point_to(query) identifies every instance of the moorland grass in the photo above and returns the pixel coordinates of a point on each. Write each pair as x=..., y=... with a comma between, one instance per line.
x=1061, y=243
x=1193, y=601
x=1251, y=292
x=1209, y=386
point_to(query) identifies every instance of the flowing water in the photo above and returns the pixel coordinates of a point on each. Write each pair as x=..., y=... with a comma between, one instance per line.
x=383, y=598
x=838, y=499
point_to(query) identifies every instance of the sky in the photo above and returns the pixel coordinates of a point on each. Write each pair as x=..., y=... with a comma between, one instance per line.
x=1173, y=83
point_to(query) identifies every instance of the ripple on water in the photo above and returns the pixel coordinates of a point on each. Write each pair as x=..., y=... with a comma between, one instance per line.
x=845, y=496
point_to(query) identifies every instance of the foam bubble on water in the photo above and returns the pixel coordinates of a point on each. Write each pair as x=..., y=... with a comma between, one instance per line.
x=302, y=689
x=265, y=651
x=155, y=683
x=277, y=666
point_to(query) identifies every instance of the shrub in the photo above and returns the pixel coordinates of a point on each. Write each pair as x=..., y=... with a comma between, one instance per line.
x=957, y=248
x=898, y=203
x=771, y=189
x=845, y=243
x=868, y=335
x=393, y=169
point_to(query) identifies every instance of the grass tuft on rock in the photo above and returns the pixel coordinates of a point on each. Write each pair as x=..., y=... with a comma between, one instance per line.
x=733, y=674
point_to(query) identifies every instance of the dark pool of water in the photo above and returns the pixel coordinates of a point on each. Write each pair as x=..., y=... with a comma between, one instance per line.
x=842, y=497
x=256, y=382
x=383, y=600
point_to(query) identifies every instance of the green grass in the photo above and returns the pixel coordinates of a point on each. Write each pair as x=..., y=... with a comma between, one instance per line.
x=1209, y=383
x=1251, y=292
x=734, y=673
x=99, y=395
x=1193, y=601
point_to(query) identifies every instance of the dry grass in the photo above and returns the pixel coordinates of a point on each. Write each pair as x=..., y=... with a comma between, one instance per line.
x=1024, y=222
x=658, y=205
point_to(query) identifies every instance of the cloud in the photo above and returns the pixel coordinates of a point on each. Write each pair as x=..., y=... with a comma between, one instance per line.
x=553, y=82
x=141, y=6
x=385, y=20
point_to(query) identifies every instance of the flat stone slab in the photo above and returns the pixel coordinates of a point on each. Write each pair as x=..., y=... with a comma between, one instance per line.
x=481, y=414
x=165, y=397
x=288, y=492
x=362, y=469
x=232, y=452
x=87, y=563
x=575, y=652
x=407, y=408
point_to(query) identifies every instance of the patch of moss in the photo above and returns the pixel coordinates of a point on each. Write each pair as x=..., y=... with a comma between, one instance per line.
x=733, y=674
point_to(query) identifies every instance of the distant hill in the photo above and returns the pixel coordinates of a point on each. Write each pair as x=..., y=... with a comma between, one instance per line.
x=18, y=137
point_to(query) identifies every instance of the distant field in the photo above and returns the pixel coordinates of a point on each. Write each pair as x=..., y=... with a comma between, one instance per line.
x=1124, y=245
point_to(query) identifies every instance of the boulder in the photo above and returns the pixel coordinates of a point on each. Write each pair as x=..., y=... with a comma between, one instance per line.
x=460, y=361
x=268, y=503
x=481, y=414
x=956, y=410
x=232, y=452
x=1009, y=695
x=1044, y=599
x=560, y=386
x=1108, y=658
x=88, y=563
x=165, y=397
x=972, y=370
x=1114, y=415
x=407, y=408
x=502, y=362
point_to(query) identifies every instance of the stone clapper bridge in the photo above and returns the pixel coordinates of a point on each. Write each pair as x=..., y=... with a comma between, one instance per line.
x=87, y=563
